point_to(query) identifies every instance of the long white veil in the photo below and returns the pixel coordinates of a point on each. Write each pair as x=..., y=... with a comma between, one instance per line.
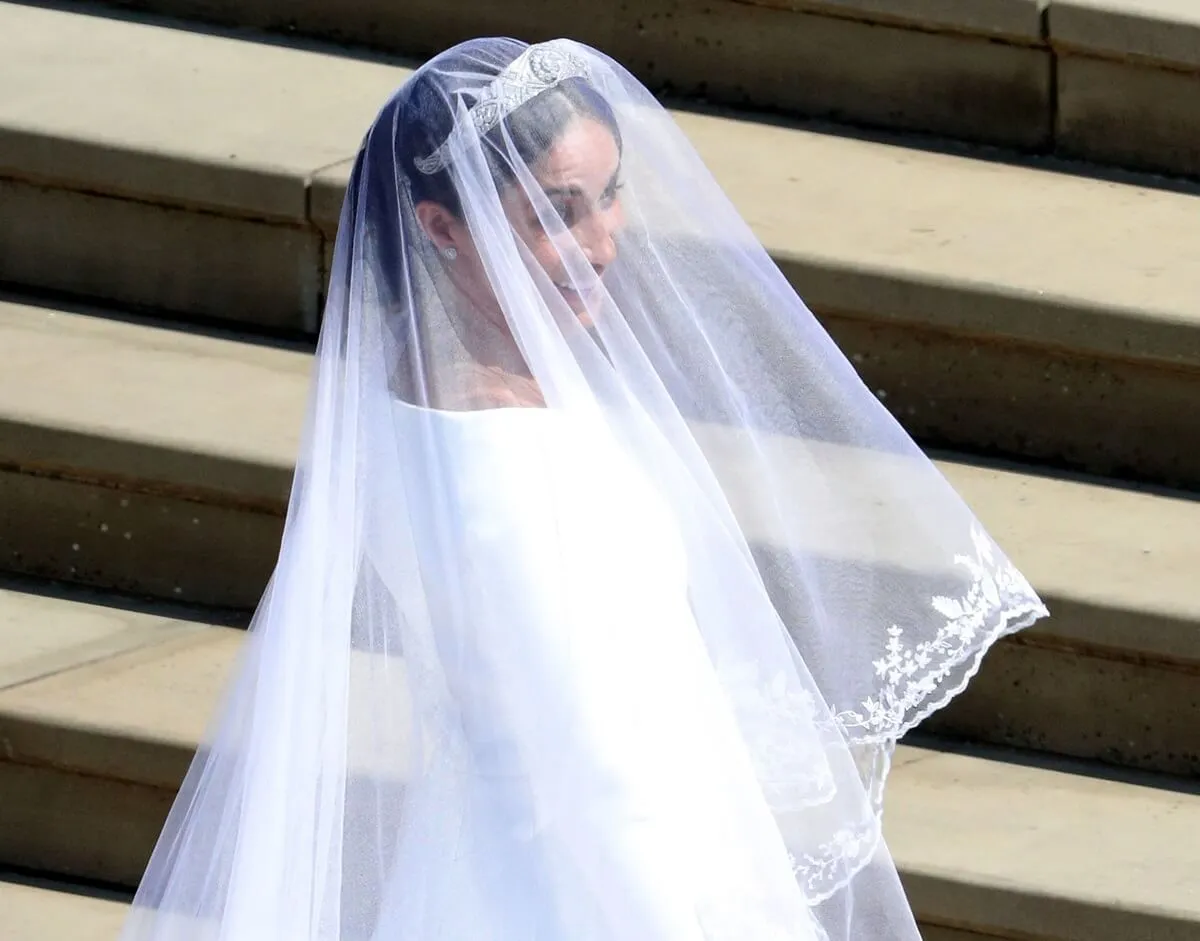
x=672, y=717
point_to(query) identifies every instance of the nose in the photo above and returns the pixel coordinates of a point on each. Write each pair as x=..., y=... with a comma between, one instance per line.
x=596, y=240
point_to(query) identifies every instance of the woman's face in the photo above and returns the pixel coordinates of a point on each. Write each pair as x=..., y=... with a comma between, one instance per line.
x=579, y=176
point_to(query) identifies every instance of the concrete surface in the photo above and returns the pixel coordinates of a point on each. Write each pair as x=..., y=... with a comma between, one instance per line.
x=1042, y=853
x=1103, y=103
x=1017, y=19
x=973, y=69
x=820, y=67
x=150, y=705
x=1111, y=548
x=1128, y=80
x=140, y=541
x=1166, y=32
x=176, y=117
x=157, y=460
x=211, y=422
x=164, y=258
x=37, y=910
x=893, y=233
x=938, y=933
x=999, y=307
x=1105, y=705
x=944, y=222
x=731, y=51
x=69, y=633
x=201, y=168
x=111, y=736
x=226, y=412
x=863, y=228
x=912, y=257
x=1117, y=417
x=172, y=483
x=171, y=480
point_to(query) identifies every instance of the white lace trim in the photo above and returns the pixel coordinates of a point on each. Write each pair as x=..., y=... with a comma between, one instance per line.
x=824, y=871
x=998, y=601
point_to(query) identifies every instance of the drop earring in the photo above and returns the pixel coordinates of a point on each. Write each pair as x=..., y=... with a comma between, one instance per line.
x=450, y=253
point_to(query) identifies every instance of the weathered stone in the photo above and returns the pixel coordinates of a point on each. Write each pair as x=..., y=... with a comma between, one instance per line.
x=174, y=259
x=1162, y=32
x=1107, y=415
x=79, y=827
x=1068, y=839
x=1012, y=18
x=174, y=116
x=143, y=543
x=1129, y=114
x=1109, y=705
x=733, y=52
x=36, y=909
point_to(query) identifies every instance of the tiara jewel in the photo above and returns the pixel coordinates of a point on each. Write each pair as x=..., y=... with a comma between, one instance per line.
x=534, y=71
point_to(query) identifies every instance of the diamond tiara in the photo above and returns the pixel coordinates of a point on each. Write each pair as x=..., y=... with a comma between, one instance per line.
x=537, y=69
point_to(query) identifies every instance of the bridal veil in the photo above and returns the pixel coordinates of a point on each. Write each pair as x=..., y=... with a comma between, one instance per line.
x=628, y=665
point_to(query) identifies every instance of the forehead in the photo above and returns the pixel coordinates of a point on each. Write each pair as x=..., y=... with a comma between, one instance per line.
x=585, y=155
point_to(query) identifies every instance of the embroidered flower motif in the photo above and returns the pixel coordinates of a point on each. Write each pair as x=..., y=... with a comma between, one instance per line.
x=830, y=865
x=911, y=674
x=777, y=713
x=777, y=718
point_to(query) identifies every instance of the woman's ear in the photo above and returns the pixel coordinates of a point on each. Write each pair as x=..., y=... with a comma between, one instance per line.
x=439, y=223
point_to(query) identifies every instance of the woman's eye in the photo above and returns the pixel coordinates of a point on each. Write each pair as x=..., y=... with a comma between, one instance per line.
x=609, y=196
x=566, y=212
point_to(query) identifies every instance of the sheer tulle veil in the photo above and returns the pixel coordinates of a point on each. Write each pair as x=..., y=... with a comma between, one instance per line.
x=606, y=587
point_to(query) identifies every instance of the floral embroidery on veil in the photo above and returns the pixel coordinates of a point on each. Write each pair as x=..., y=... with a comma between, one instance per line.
x=997, y=602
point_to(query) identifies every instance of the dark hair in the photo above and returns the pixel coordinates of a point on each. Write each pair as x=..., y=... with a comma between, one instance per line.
x=413, y=124
x=425, y=117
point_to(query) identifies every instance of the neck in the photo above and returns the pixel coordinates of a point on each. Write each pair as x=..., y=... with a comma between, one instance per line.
x=496, y=373
x=485, y=335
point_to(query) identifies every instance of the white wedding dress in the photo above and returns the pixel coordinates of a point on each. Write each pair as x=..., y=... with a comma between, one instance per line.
x=609, y=794
x=627, y=668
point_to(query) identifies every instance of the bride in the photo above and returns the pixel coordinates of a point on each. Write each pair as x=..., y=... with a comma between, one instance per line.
x=606, y=587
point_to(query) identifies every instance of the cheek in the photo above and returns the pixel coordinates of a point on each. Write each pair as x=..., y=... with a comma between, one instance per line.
x=616, y=217
x=547, y=256
x=535, y=239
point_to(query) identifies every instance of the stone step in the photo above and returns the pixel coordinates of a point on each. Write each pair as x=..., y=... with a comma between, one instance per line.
x=39, y=909
x=1116, y=81
x=172, y=482
x=1000, y=308
x=101, y=715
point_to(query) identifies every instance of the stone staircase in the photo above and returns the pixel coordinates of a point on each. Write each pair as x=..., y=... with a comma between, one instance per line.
x=168, y=201
x=1111, y=80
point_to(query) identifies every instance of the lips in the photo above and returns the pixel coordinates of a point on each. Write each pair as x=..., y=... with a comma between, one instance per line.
x=568, y=292
x=578, y=298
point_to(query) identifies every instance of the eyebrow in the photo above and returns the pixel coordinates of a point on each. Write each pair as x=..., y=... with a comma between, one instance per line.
x=573, y=191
